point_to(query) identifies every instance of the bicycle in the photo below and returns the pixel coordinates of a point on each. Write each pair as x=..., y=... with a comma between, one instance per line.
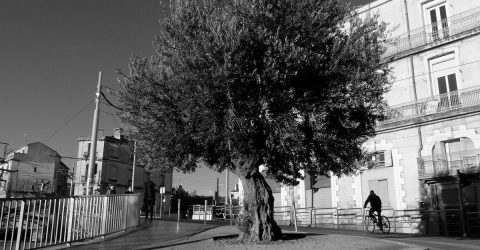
x=371, y=223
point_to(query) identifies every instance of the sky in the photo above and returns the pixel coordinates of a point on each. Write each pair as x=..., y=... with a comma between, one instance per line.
x=51, y=52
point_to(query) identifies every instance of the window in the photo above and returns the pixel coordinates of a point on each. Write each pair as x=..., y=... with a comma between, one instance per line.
x=444, y=71
x=381, y=159
x=112, y=173
x=161, y=181
x=35, y=169
x=380, y=187
x=86, y=154
x=447, y=88
x=437, y=18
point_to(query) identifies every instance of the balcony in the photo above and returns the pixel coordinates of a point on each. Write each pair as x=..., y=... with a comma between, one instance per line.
x=444, y=103
x=446, y=165
x=438, y=32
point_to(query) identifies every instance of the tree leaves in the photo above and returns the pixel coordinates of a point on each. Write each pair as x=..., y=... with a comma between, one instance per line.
x=290, y=82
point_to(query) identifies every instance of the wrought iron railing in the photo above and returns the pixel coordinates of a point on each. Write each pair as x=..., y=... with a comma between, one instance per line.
x=29, y=223
x=435, y=104
x=435, y=32
x=448, y=164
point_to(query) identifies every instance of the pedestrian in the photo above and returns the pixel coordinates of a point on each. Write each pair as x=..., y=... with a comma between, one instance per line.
x=149, y=199
x=111, y=189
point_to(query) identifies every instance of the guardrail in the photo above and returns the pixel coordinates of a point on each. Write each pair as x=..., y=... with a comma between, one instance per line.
x=454, y=100
x=473, y=223
x=28, y=223
x=436, y=32
x=283, y=215
x=441, y=165
x=226, y=213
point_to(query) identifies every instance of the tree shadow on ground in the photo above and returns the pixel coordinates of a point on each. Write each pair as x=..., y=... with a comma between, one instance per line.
x=285, y=236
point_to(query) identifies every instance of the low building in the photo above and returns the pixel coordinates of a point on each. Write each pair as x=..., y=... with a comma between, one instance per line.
x=33, y=170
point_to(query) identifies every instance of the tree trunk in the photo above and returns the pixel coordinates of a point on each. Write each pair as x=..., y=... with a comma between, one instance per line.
x=258, y=202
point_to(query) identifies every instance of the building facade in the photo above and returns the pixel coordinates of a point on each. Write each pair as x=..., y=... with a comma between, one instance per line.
x=33, y=170
x=432, y=130
x=113, y=166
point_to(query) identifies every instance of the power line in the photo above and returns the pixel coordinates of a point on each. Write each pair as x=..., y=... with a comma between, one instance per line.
x=68, y=121
x=430, y=72
x=111, y=104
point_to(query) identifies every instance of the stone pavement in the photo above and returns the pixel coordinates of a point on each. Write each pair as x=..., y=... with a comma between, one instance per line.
x=191, y=235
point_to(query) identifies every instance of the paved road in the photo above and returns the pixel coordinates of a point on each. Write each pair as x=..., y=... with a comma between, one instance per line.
x=167, y=233
x=149, y=235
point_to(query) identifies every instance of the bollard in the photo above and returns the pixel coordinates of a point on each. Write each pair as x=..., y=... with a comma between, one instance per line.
x=205, y=213
x=231, y=215
x=178, y=217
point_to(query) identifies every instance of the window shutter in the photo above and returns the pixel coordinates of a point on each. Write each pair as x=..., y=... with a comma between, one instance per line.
x=388, y=158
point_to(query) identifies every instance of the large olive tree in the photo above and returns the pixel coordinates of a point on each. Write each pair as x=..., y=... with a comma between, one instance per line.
x=291, y=84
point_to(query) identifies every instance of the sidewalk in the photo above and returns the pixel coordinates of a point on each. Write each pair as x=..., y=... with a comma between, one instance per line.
x=196, y=235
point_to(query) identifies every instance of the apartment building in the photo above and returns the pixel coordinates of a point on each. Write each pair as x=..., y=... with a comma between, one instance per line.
x=432, y=130
x=114, y=162
x=33, y=170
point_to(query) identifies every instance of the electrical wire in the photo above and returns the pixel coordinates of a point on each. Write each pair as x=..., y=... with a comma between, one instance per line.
x=68, y=121
x=110, y=103
x=430, y=72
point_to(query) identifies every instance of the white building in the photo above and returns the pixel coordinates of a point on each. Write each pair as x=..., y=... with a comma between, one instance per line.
x=433, y=125
x=114, y=162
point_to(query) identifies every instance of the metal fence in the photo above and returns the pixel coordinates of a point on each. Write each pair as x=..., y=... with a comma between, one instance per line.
x=440, y=165
x=28, y=223
x=435, y=32
x=454, y=100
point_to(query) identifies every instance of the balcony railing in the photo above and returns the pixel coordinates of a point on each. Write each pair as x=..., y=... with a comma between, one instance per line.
x=435, y=32
x=447, y=164
x=436, y=104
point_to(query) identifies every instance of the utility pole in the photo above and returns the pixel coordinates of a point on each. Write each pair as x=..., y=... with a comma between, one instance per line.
x=93, y=147
x=133, y=166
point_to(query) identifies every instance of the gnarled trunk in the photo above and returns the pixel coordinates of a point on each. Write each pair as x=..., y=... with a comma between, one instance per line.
x=258, y=202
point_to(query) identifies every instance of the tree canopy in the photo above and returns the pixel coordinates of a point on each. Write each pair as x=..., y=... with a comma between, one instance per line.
x=292, y=84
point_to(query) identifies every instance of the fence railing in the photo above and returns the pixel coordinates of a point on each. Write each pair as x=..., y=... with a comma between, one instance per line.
x=417, y=221
x=217, y=213
x=28, y=223
x=447, y=164
x=436, y=104
x=435, y=32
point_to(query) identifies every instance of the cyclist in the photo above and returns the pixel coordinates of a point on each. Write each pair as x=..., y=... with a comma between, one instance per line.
x=375, y=206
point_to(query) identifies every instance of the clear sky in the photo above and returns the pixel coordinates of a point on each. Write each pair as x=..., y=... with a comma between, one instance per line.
x=50, y=54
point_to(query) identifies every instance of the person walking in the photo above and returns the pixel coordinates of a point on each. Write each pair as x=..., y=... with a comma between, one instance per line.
x=111, y=189
x=149, y=199
x=375, y=206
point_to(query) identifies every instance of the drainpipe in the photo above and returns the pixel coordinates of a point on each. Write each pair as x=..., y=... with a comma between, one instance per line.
x=407, y=20
x=414, y=86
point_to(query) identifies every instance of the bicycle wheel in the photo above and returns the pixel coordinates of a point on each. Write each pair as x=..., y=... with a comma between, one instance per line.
x=369, y=224
x=385, y=225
